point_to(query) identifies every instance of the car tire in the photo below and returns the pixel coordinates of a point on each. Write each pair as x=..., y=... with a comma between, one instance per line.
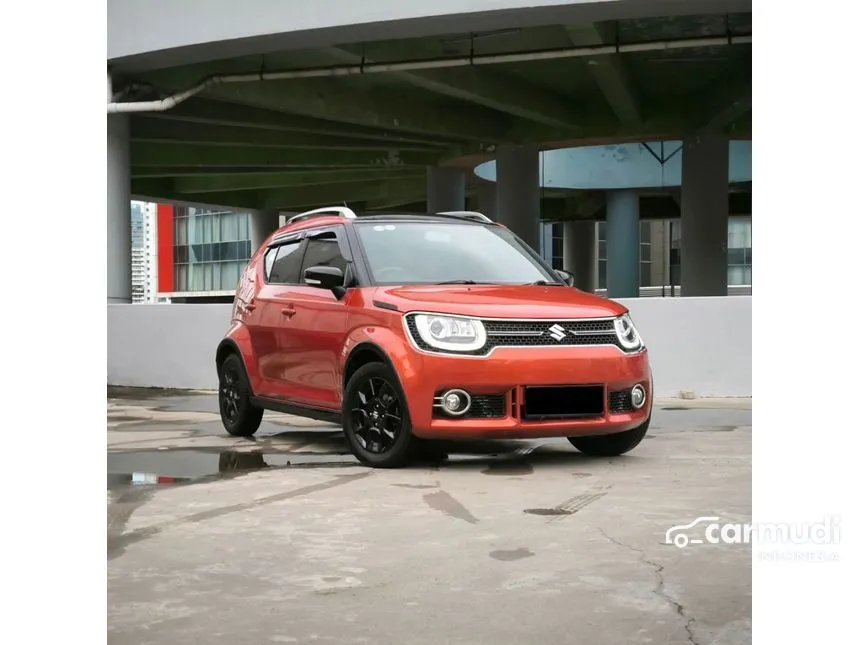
x=240, y=417
x=376, y=418
x=611, y=445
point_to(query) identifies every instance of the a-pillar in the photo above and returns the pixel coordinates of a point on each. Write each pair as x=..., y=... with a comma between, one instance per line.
x=622, y=244
x=446, y=189
x=518, y=192
x=487, y=200
x=580, y=258
x=704, y=215
x=263, y=224
x=118, y=208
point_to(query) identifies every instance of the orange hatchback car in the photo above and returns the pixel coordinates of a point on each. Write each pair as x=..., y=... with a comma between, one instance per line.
x=406, y=329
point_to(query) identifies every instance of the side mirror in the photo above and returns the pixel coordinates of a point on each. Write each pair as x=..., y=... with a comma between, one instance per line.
x=324, y=277
x=566, y=277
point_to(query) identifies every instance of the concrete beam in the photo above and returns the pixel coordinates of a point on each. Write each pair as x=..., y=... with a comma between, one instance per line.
x=165, y=131
x=487, y=87
x=377, y=107
x=166, y=154
x=501, y=93
x=289, y=199
x=260, y=181
x=199, y=110
x=153, y=172
x=609, y=71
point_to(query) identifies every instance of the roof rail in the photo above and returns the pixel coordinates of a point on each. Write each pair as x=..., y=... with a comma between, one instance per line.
x=474, y=215
x=342, y=211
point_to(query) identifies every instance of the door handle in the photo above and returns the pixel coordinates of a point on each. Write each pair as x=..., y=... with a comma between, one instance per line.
x=289, y=312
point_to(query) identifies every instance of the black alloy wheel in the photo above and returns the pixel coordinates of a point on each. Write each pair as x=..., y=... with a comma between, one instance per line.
x=238, y=415
x=376, y=419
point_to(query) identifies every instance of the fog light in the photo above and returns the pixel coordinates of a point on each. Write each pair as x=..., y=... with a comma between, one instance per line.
x=456, y=402
x=637, y=396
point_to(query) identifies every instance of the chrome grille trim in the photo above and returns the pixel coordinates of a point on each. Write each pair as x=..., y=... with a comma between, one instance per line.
x=538, y=333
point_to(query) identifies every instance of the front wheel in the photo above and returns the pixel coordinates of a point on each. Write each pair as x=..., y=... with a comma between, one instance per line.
x=238, y=415
x=611, y=445
x=375, y=417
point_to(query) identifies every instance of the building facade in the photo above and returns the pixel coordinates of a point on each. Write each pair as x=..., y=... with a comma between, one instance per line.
x=144, y=252
x=660, y=255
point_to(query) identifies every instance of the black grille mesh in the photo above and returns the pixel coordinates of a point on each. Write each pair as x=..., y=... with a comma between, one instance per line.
x=533, y=333
x=620, y=402
x=484, y=406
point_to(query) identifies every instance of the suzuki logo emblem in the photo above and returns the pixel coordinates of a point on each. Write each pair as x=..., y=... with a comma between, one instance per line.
x=557, y=332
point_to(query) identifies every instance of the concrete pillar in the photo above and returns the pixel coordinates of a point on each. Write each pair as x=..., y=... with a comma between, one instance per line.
x=263, y=224
x=118, y=208
x=446, y=189
x=487, y=200
x=580, y=253
x=704, y=215
x=622, y=244
x=518, y=191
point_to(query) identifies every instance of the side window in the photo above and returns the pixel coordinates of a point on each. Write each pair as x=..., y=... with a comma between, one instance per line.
x=323, y=250
x=285, y=261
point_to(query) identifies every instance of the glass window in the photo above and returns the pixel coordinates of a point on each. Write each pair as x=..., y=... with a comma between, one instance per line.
x=229, y=275
x=181, y=230
x=245, y=248
x=601, y=274
x=644, y=252
x=323, y=251
x=285, y=269
x=431, y=252
x=269, y=261
x=735, y=256
x=181, y=276
x=244, y=232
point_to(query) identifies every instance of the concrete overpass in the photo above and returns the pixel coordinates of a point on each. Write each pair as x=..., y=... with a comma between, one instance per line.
x=392, y=105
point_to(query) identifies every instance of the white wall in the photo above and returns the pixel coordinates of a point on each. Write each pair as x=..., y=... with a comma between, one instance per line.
x=703, y=345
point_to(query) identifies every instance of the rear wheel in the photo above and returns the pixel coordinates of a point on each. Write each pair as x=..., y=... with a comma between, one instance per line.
x=238, y=415
x=375, y=417
x=611, y=445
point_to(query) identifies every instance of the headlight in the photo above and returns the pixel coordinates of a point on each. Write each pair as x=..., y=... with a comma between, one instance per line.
x=627, y=334
x=450, y=333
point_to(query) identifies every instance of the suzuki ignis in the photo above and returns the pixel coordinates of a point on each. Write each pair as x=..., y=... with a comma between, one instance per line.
x=410, y=328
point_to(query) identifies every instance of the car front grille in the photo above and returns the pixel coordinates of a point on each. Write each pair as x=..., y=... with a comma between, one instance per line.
x=620, y=402
x=535, y=333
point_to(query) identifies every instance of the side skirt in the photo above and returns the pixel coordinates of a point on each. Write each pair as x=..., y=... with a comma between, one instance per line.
x=306, y=411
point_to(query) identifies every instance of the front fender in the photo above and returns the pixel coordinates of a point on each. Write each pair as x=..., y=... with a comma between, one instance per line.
x=403, y=359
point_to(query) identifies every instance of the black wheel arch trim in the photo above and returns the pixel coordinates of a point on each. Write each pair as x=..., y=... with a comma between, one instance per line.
x=376, y=349
x=234, y=348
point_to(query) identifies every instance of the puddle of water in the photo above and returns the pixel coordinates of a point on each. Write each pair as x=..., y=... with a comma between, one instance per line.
x=547, y=511
x=170, y=467
x=509, y=555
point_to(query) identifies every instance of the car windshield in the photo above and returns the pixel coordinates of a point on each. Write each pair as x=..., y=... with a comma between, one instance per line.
x=442, y=252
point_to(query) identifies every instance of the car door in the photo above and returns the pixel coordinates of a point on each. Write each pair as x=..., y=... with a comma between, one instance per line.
x=280, y=276
x=314, y=333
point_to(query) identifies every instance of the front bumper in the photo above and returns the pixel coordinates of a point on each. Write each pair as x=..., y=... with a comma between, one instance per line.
x=501, y=378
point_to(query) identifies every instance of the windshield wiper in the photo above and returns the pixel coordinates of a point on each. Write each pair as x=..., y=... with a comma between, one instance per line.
x=544, y=283
x=458, y=282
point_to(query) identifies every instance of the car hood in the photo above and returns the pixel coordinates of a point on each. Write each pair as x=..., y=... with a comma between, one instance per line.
x=500, y=301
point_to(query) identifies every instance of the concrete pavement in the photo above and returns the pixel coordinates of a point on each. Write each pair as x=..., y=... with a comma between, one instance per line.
x=284, y=539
